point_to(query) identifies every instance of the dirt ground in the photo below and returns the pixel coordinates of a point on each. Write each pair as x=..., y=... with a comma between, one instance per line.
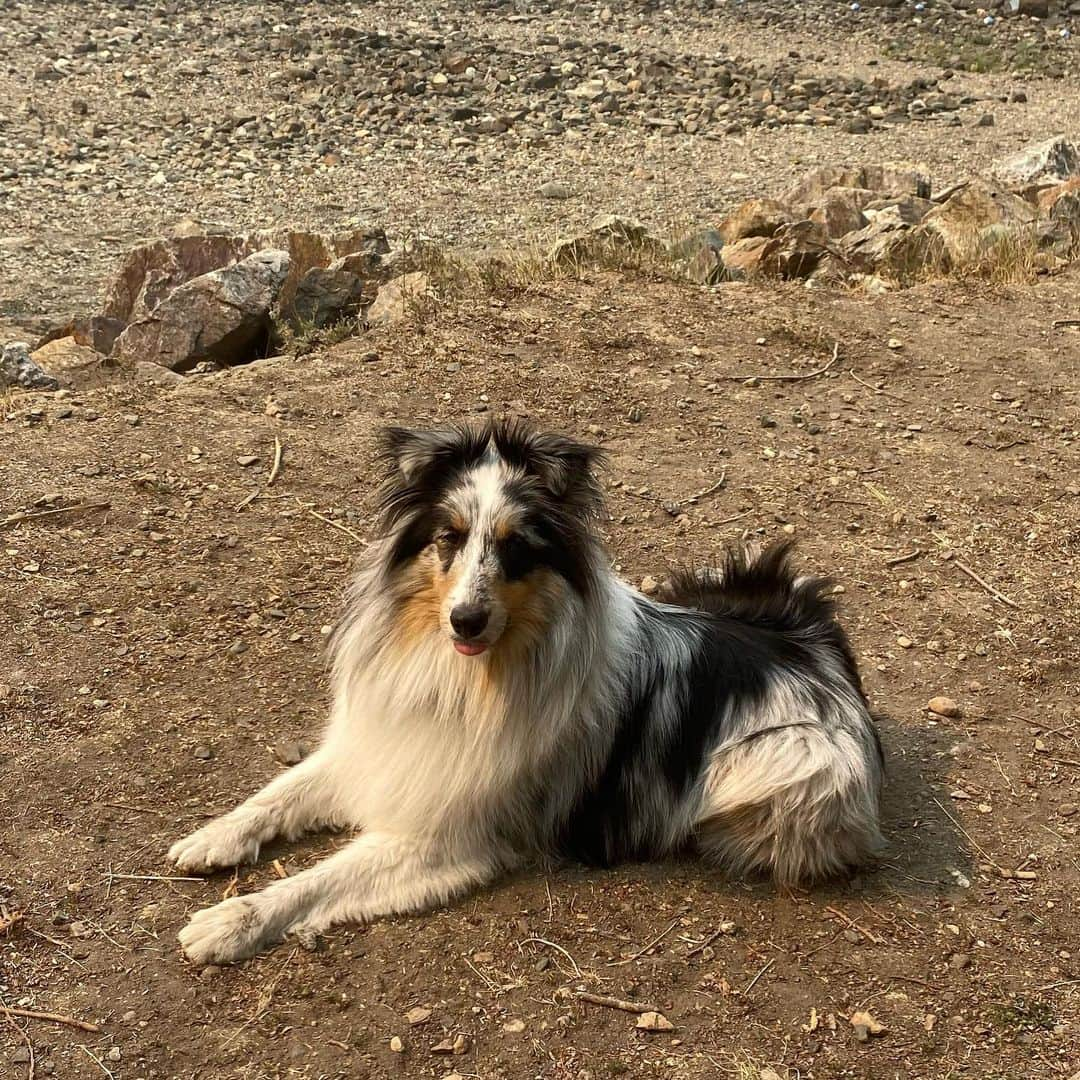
x=159, y=646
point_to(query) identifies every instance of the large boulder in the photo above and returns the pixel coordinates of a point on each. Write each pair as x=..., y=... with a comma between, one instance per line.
x=325, y=296
x=97, y=332
x=1054, y=159
x=976, y=222
x=398, y=298
x=793, y=251
x=17, y=368
x=151, y=271
x=74, y=365
x=886, y=246
x=223, y=316
x=606, y=236
x=698, y=253
x=885, y=180
x=755, y=217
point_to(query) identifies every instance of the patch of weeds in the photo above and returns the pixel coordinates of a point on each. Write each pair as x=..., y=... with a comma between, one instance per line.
x=1023, y=1015
x=303, y=338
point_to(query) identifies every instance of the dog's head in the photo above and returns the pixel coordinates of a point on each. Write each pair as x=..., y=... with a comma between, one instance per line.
x=487, y=529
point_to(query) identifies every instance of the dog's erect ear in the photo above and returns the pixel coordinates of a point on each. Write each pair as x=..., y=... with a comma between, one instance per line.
x=562, y=464
x=410, y=451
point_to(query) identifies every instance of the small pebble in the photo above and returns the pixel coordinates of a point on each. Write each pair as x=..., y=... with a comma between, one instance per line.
x=943, y=706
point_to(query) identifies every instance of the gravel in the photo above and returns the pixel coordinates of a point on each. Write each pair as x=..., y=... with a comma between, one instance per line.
x=475, y=124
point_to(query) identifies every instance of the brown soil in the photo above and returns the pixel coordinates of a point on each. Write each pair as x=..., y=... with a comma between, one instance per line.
x=140, y=638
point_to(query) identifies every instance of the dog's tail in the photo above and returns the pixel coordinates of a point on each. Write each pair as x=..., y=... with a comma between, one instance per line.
x=795, y=794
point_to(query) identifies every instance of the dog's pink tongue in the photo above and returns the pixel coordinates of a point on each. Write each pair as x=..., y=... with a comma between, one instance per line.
x=467, y=648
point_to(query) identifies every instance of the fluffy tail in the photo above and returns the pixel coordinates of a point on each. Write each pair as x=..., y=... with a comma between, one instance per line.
x=795, y=795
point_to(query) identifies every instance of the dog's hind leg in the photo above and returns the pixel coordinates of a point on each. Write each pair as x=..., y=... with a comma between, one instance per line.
x=305, y=797
x=377, y=874
x=798, y=804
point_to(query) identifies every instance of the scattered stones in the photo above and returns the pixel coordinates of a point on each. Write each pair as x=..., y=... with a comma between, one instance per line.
x=944, y=706
x=223, y=317
x=17, y=368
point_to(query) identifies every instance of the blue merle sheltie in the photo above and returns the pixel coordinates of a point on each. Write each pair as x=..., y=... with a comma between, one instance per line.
x=501, y=696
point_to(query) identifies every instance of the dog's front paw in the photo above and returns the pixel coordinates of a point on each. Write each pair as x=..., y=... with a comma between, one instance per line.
x=232, y=930
x=223, y=842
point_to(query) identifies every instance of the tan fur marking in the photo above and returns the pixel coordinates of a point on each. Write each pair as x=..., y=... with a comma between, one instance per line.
x=427, y=589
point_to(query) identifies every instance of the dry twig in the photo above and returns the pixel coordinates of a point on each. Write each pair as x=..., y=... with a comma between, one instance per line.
x=788, y=378
x=985, y=584
x=853, y=925
x=553, y=945
x=333, y=524
x=276, y=467
x=753, y=982
x=615, y=1003
x=645, y=948
x=52, y=1018
x=33, y=515
x=904, y=558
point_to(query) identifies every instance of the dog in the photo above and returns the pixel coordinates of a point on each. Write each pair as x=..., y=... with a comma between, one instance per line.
x=501, y=696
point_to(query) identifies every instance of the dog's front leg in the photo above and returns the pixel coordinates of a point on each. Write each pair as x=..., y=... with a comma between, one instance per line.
x=309, y=794
x=377, y=874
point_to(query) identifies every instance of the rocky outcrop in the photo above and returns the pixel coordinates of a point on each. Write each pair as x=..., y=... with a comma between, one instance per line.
x=223, y=316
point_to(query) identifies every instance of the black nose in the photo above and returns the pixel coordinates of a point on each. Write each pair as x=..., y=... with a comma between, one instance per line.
x=468, y=620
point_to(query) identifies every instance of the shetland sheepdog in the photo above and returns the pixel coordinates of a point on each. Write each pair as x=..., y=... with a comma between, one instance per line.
x=500, y=696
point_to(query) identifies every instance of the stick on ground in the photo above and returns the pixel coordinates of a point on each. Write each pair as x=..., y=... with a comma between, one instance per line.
x=53, y=1018
x=33, y=515
x=615, y=1003
x=985, y=584
x=788, y=378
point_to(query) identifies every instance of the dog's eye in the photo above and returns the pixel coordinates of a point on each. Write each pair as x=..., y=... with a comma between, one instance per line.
x=449, y=540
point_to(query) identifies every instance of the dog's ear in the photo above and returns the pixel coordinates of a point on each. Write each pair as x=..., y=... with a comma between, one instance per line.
x=409, y=452
x=563, y=465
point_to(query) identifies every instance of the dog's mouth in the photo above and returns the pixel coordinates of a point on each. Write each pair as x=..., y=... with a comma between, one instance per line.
x=470, y=648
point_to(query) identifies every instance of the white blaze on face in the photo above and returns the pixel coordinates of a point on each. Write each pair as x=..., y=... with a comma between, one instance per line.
x=482, y=504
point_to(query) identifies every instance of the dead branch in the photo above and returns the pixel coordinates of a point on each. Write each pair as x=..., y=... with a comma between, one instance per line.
x=33, y=515
x=985, y=584
x=615, y=1003
x=53, y=1018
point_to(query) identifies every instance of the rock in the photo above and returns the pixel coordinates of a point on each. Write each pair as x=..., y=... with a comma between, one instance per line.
x=325, y=296
x=654, y=1021
x=396, y=1045
x=556, y=189
x=839, y=210
x=755, y=217
x=203, y=753
x=910, y=209
x=944, y=706
x=1033, y=9
x=152, y=271
x=649, y=585
x=959, y=961
x=886, y=246
x=514, y=1027
x=886, y=180
x=291, y=752
x=18, y=369
x=20, y=1056
x=699, y=255
x=973, y=224
x=75, y=366
x=222, y=317
x=742, y=259
x=865, y=1026
x=397, y=299
x=418, y=1015
x=96, y=332
x=1046, y=195
x=1056, y=158
x=606, y=235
